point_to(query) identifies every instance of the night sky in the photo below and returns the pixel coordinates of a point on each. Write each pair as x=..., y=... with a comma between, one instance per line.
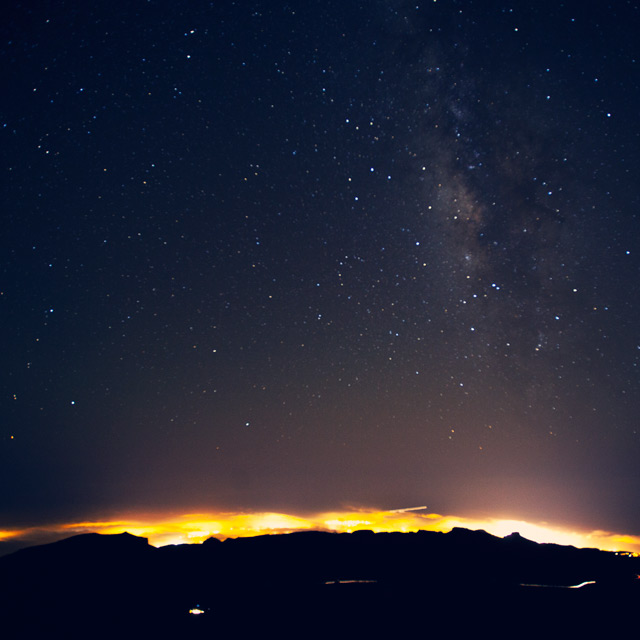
x=314, y=255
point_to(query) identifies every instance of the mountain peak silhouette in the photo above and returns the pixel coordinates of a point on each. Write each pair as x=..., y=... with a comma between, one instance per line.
x=316, y=575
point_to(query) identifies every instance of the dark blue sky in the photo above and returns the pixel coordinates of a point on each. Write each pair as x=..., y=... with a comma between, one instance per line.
x=312, y=254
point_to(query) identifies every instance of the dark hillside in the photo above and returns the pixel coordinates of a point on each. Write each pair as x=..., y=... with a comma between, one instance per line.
x=312, y=580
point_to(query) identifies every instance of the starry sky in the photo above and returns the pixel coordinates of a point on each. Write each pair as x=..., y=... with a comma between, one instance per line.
x=298, y=256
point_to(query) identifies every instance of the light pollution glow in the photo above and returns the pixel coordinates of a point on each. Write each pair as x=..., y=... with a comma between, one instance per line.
x=196, y=527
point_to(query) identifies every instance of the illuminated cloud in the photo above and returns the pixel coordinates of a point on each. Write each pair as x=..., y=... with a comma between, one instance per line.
x=164, y=529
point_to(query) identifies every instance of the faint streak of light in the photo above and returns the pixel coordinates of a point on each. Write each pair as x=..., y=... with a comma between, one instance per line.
x=559, y=586
x=351, y=582
x=406, y=509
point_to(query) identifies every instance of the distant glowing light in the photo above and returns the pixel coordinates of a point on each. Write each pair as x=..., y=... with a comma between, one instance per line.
x=198, y=534
x=559, y=586
x=582, y=584
x=164, y=529
x=351, y=582
x=342, y=525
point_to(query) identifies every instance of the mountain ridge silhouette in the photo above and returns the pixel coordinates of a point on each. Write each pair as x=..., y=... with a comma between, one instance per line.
x=360, y=579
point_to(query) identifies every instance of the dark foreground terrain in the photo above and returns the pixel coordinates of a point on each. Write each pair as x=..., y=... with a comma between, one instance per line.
x=310, y=584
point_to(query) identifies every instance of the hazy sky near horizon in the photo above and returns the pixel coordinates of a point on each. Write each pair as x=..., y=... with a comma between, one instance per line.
x=301, y=256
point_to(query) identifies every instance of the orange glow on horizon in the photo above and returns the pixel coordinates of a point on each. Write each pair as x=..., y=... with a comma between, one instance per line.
x=7, y=535
x=164, y=529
